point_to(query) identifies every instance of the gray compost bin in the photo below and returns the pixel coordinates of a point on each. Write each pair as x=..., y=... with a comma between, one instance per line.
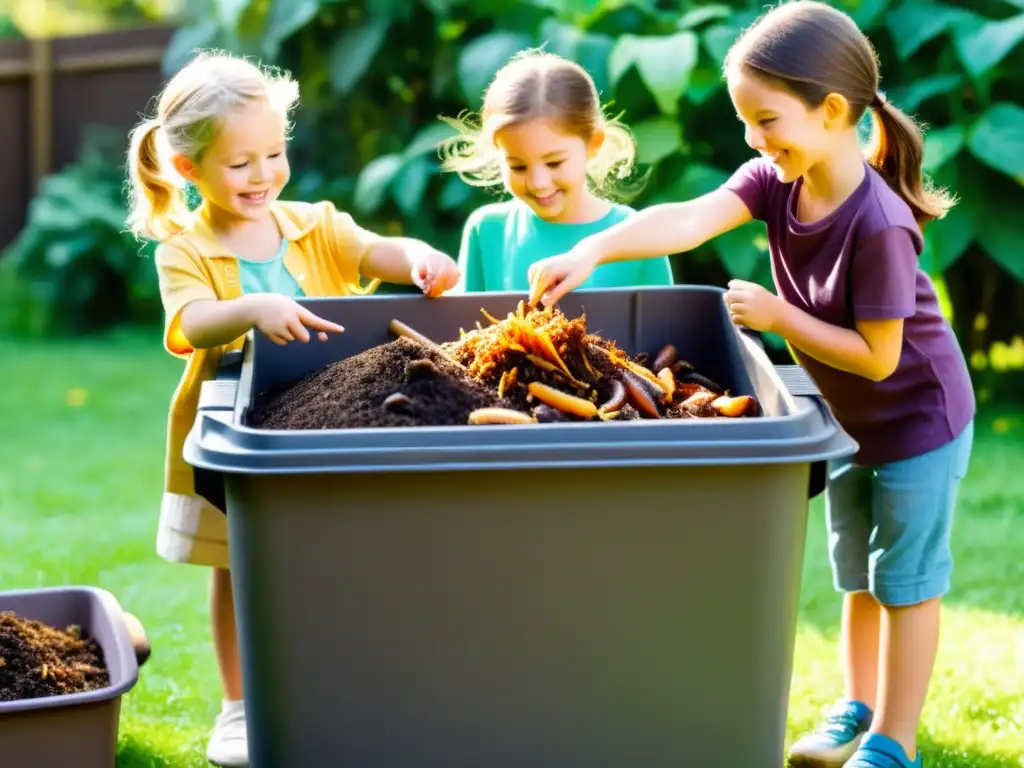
x=551, y=595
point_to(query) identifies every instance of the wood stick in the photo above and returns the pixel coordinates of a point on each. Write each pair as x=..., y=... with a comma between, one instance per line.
x=399, y=328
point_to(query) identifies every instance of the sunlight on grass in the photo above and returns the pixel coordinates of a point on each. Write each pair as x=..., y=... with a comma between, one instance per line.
x=79, y=498
x=975, y=712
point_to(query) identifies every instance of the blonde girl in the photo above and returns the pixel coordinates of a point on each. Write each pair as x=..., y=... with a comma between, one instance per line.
x=844, y=234
x=542, y=136
x=239, y=262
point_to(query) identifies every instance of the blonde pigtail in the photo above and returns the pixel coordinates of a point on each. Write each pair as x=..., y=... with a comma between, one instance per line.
x=156, y=210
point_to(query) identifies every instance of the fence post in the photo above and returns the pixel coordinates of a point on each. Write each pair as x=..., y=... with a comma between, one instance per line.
x=41, y=113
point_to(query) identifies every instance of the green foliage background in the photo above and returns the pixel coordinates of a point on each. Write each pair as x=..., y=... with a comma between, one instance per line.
x=376, y=75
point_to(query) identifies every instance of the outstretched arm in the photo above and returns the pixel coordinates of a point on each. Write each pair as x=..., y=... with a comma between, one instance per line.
x=661, y=229
x=670, y=227
x=406, y=260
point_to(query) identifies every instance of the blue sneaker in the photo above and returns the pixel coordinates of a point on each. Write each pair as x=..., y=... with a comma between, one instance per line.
x=836, y=740
x=878, y=751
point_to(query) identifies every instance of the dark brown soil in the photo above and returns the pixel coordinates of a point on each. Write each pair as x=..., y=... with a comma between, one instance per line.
x=37, y=660
x=352, y=393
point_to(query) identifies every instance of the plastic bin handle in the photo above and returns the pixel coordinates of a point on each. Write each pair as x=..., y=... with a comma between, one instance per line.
x=799, y=384
x=218, y=395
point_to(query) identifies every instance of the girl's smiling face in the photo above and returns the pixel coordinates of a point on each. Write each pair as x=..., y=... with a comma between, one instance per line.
x=246, y=166
x=780, y=125
x=546, y=167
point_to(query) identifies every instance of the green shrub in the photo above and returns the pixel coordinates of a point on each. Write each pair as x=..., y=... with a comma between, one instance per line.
x=73, y=269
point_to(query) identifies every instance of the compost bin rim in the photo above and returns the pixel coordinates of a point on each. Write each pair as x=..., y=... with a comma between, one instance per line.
x=216, y=444
x=110, y=607
x=367, y=469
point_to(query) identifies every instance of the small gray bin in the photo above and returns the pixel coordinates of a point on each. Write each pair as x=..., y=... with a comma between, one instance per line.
x=573, y=594
x=79, y=729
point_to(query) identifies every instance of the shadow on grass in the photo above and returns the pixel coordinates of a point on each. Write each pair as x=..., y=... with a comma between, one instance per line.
x=132, y=753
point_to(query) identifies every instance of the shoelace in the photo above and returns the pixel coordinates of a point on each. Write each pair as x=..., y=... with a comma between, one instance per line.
x=843, y=723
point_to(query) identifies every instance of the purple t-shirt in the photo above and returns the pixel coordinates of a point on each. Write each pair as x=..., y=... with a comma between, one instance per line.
x=861, y=263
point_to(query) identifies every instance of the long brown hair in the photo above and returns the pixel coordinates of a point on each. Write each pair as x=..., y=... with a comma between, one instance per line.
x=814, y=50
x=537, y=83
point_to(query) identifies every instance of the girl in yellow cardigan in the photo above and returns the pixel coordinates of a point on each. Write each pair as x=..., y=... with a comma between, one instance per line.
x=239, y=262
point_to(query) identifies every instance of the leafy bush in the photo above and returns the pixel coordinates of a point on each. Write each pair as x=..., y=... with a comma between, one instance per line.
x=376, y=75
x=72, y=268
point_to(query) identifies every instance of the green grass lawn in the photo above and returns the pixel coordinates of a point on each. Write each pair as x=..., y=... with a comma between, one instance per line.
x=81, y=458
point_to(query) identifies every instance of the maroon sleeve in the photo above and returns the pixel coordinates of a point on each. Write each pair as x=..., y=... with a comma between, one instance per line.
x=884, y=276
x=751, y=183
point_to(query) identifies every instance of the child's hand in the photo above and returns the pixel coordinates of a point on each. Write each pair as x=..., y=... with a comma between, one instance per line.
x=753, y=305
x=282, y=320
x=434, y=272
x=552, y=278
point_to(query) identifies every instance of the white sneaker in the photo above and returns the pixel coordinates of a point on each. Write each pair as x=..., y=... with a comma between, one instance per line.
x=228, y=747
x=836, y=739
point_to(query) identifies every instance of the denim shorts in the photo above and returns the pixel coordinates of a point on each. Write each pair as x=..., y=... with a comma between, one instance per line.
x=889, y=526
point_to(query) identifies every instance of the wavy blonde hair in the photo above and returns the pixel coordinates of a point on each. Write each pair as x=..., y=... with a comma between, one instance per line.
x=540, y=84
x=188, y=116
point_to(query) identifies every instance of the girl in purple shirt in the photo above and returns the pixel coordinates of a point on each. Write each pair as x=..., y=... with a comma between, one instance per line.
x=844, y=233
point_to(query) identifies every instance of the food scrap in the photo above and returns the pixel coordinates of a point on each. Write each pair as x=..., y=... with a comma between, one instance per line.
x=540, y=359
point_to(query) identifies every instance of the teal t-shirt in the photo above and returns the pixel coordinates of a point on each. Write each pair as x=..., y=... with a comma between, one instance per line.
x=501, y=240
x=270, y=276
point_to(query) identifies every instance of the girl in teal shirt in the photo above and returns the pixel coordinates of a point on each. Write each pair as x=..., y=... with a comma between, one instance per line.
x=543, y=137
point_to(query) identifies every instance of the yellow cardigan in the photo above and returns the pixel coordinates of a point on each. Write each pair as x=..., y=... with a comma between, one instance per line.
x=325, y=249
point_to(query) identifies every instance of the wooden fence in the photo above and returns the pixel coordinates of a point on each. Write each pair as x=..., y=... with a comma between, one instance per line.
x=50, y=90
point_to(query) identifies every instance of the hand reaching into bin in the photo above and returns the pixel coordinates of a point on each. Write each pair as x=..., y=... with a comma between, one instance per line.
x=407, y=260
x=434, y=272
x=552, y=278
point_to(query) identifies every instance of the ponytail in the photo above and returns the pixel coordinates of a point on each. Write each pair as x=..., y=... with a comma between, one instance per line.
x=157, y=209
x=897, y=153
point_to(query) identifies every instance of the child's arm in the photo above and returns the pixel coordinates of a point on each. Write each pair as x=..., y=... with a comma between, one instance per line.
x=196, y=318
x=213, y=323
x=405, y=260
x=883, y=292
x=654, y=231
x=872, y=350
x=400, y=260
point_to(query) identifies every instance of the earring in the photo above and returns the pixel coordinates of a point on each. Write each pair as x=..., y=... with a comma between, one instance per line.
x=192, y=197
